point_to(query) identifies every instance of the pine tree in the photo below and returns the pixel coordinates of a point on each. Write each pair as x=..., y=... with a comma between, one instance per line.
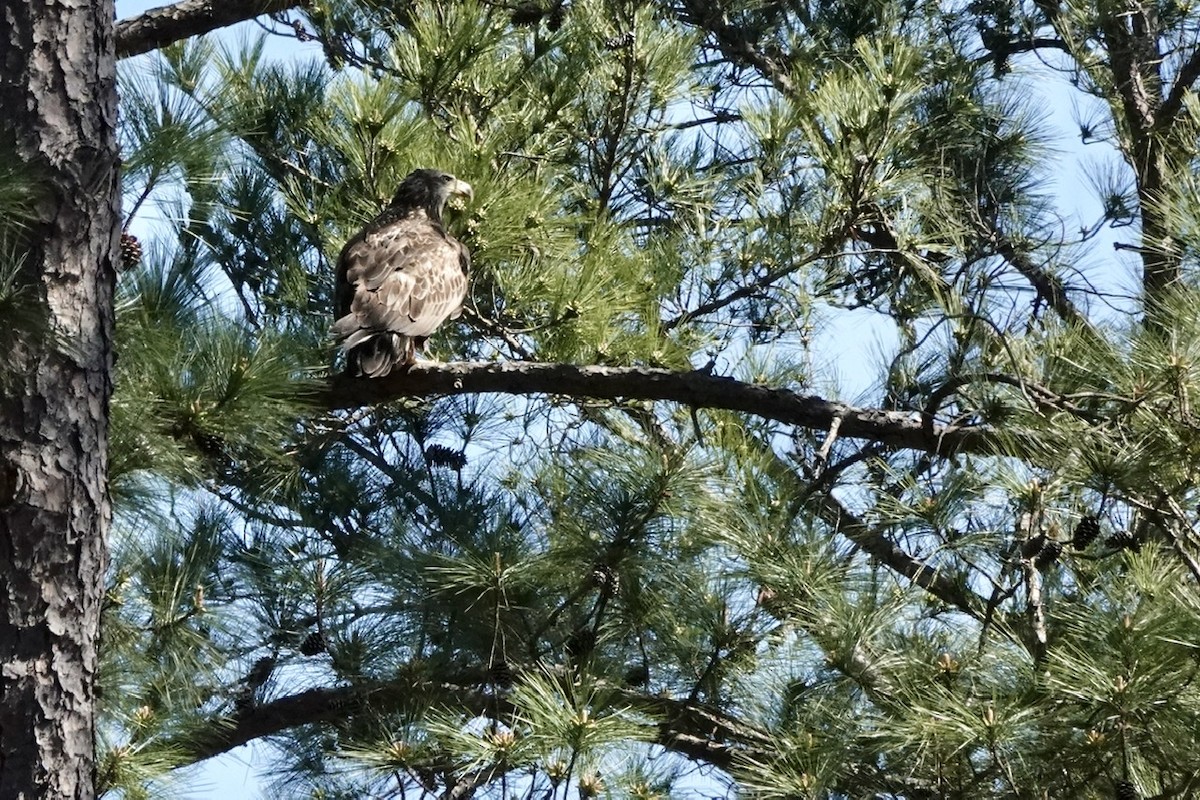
x=58, y=251
x=630, y=524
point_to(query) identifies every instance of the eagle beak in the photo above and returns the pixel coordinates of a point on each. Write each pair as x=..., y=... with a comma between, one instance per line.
x=462, y=188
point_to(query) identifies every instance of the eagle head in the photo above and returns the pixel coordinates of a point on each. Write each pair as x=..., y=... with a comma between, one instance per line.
x=429, y=189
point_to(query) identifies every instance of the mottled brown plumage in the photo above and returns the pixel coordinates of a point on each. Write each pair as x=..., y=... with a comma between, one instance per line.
x=400, y=277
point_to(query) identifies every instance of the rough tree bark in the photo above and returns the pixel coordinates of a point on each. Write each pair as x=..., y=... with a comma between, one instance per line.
x=58, y=92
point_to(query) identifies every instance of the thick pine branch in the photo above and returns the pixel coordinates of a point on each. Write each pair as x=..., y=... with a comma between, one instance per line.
x=165, y=25
x=317, y=706
x=1000, y=48
x=1132, y=40
x=1189, y=73
x=696, y=388
x=687, y=727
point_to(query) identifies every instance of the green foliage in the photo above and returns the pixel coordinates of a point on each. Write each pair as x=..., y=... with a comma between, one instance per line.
x=201, y=391
x=562, y=597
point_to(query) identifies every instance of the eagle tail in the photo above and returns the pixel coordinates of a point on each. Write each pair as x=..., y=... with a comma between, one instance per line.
x=380, y=354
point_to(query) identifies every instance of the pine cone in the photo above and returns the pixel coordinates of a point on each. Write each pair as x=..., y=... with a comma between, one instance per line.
x=1085, y=532
x=606, y=579
x=256, y=678
x=260, y=672
x=619, y=42
x=1032, y=546
x=441, y=456
x=501, y=673
x=527, y=14
x=1049, y=555
x=131, y=251
x=637, y=676
x=554, y=19
x=581, y=643
x=313, y=644
x=1124, y=540
x=1124, y=790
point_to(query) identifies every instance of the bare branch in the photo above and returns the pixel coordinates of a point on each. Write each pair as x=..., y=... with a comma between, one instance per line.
x=1000, y=47
x=699, y=731
x=695, y=388
x=1188, y=74
x=741, y=293
x=822, y=456
x=709, y=17
x=876, y=543
x=1035, y=612
x=168, y=24
x=1049, y=287
x=315, y=706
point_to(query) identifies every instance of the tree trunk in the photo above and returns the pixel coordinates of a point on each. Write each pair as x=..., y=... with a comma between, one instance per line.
x=58, y=92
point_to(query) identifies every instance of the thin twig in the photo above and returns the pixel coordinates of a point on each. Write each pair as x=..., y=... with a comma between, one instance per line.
x=822, y=456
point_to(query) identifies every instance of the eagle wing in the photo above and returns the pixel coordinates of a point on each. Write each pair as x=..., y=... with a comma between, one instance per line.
x=407, y=277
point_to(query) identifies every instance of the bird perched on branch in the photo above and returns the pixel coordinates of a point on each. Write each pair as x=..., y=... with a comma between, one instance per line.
x=401, y=277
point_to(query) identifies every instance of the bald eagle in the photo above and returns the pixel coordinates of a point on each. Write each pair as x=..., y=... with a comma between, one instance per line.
x=400, y=277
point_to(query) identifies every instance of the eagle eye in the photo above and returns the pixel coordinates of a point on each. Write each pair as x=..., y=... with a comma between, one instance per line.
x=447, y=178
